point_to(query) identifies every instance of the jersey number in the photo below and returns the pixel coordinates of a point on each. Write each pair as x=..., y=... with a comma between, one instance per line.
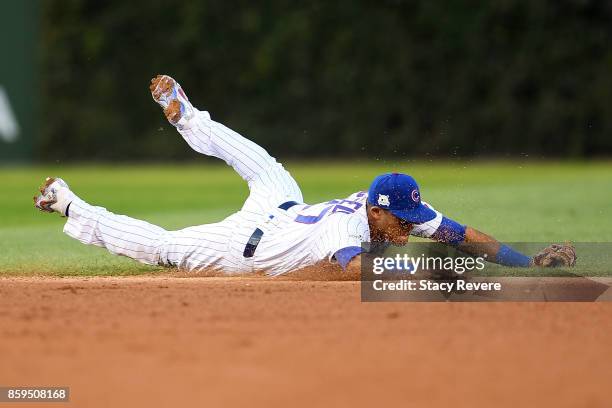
x=341, y=206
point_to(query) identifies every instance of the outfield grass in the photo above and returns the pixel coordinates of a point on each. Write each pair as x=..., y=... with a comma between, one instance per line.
x=535, y=202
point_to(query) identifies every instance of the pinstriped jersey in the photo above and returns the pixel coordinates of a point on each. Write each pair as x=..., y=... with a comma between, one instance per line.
x=307, y=234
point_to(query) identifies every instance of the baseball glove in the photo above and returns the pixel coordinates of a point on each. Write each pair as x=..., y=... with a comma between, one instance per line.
x=556, y=255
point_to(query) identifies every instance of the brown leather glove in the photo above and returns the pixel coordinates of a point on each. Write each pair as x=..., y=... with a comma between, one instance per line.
x=556, y=255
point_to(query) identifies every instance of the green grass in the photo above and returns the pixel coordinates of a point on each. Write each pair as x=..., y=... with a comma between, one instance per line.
x=530, y=201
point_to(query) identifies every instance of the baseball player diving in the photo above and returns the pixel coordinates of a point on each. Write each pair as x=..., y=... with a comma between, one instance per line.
x=274, y=232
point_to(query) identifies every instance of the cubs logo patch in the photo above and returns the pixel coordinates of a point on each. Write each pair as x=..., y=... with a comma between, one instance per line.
x=415, y=196
x=383, y=199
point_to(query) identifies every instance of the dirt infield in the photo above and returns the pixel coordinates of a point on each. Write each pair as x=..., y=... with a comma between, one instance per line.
x=181, y=342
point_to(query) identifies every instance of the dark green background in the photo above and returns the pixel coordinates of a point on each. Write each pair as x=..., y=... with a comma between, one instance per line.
x=346, y=78
x=19, y=65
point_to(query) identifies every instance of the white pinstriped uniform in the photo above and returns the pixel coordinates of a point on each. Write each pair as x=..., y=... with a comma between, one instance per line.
x=300, y=236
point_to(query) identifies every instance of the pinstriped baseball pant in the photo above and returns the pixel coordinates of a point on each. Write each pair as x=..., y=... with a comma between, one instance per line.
x=215, y=246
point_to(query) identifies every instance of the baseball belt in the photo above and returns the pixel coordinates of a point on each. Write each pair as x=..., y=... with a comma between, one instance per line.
x=251, y=246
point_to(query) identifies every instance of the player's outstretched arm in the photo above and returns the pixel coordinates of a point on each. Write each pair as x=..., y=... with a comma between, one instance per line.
x=478, y=243
x=471, y=241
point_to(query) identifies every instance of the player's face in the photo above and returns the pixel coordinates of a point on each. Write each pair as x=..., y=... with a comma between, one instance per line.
x=385, y=226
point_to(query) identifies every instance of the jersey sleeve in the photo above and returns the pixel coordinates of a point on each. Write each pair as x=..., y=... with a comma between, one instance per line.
x=342, y=238
x=343, y=256
x=441, y=229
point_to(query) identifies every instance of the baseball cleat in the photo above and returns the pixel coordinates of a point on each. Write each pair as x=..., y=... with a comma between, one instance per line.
x=171, y=97
x=55, y=196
